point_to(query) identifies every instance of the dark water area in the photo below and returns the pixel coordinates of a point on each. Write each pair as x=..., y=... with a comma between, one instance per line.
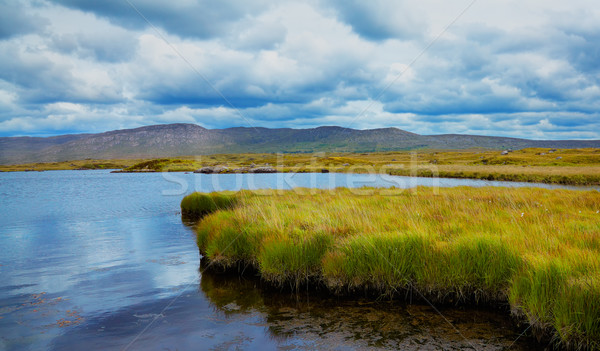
x=92, y=260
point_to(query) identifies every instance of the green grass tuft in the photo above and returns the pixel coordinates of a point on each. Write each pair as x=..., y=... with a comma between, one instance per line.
x=293, y=258
x=197, y=204
x=386, y=262
x=473, y=268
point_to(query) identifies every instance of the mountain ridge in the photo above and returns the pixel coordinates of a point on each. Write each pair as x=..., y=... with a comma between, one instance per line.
x=182, y=139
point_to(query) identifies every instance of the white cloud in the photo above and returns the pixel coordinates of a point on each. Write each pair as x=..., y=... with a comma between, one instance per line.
x=519, y=68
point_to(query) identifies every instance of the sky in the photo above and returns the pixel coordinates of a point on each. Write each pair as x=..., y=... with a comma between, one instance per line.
x=518, y=68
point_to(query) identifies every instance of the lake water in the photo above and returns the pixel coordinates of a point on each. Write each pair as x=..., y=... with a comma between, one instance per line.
x=92, y=260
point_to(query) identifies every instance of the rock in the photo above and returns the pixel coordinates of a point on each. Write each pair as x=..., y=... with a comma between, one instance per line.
x=505, y=152
x=559, y=158
x=210, y=170
x=324, y=170
x=263, y=170
x=232, y=307
x=542, y=153
x=346, y=164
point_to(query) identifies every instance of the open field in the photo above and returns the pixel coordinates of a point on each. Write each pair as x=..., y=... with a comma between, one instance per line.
x=564, y=166
x=534, y=250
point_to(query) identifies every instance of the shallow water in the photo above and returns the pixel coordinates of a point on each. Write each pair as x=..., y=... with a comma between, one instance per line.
x=93, y=260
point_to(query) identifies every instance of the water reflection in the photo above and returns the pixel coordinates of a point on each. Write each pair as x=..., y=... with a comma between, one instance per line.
x=227, y=312
x=318, y=320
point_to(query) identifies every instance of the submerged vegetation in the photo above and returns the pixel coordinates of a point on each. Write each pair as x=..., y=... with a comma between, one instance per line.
x=537, y=250
x=562, y=166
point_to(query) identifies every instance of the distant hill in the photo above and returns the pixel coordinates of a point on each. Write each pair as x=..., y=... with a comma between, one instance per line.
x=190, y=139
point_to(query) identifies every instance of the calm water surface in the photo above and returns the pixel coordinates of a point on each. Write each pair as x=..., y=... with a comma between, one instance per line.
x=92, y=260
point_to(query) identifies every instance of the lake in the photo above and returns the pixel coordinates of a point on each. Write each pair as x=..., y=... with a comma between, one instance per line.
x=93, y=260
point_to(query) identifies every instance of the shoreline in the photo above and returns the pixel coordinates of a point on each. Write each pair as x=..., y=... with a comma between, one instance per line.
x=550, y=166
x=515, y=178
x=543, y=335
x=577, y=181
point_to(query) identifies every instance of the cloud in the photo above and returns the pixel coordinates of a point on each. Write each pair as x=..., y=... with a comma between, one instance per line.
x=40, y=77
x=192, y=19
x=115, y=46
x=14, y=20
x=528, y=71
x=380, y=19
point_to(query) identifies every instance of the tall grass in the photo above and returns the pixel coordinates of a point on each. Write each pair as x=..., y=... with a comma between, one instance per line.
x=536, y=249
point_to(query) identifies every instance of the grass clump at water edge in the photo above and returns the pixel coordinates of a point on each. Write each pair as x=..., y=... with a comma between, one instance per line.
x=196, y=205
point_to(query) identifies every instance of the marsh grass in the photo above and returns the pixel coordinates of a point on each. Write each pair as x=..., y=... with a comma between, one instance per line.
x=196, y=205
x=535, y=249
x=567, y=175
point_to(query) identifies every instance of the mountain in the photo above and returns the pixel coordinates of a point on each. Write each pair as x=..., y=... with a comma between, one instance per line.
x=190, y=139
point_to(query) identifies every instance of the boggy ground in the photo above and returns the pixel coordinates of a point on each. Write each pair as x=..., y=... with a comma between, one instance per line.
x=535, y=250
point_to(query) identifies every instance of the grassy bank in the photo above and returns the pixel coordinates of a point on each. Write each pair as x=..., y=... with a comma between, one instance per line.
x=565, y=166
x=541, y=174
x=535, y=249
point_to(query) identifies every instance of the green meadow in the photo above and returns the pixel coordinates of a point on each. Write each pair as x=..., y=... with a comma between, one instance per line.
x=535, y=251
